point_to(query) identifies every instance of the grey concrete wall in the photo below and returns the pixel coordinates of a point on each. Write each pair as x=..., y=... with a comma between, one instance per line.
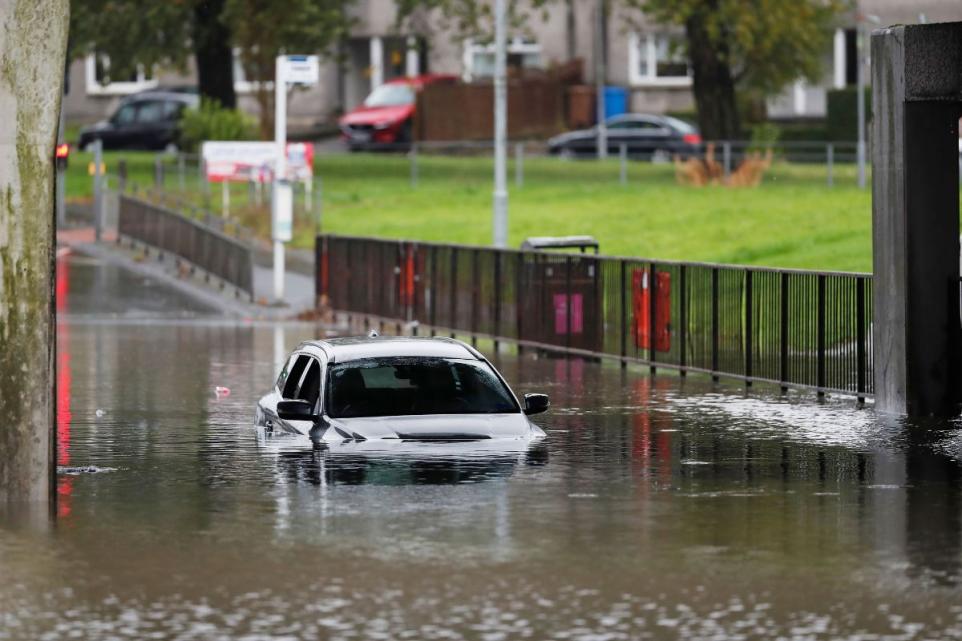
x=917, y=101
x=33, y=38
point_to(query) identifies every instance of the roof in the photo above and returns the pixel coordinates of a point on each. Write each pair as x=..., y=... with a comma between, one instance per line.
x=357, y=347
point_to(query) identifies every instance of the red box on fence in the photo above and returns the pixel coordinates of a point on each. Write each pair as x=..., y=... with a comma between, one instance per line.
x=641, y=306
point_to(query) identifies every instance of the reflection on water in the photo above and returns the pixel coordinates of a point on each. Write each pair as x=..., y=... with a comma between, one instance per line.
x=656, y=508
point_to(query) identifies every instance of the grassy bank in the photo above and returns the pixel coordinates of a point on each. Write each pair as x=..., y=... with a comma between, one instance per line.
x=791, y=220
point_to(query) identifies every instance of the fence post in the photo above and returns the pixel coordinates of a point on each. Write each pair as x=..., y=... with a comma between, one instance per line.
x=413, y=155
x=519, y=164
x=623, y=163
x=714, y=323
x=432, y=311
x=452, y=321
x=158, y=172
x=181, y=170
x=820, y=336
x=860, y=346
x=519, y=278
x=121, y=175
x=624, y=313
x=749, y=328
x=830, y=160
x=783, y=335
x=225, y=199
x=727, y=158
x=475, y=295
x=497, y=299
x=683, y=321
x=569, y=326
x=652, y=310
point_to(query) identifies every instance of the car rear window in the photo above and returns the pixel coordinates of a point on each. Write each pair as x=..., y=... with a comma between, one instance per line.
x=405, y=386
x=390, y=95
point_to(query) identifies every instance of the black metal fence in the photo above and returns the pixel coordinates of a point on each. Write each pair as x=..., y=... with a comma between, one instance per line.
x=212, y=251
x=790, y=327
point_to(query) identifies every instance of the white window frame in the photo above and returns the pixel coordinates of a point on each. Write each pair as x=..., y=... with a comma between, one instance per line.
x=515, y=46
x=651, y=79
x=121, y=88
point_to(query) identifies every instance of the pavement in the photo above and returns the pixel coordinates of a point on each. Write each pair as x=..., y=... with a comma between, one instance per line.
x=298, y=286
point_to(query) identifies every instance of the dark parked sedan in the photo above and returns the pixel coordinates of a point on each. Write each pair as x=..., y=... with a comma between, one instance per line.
x=395, y=390
x=145, y=121
x=644, y=136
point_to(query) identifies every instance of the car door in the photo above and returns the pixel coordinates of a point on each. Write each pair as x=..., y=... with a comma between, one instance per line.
x=122, y=124
x=303, y=383
x=650, y=136
x=150, y=128
x=620, y=133
x=287, y=382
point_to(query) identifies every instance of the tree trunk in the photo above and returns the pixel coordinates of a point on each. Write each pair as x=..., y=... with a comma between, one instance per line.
x=213, y=54
x=713, y=83
x=33, y=44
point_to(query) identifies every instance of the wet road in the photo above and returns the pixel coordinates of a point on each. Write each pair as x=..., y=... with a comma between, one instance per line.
x=657, y=508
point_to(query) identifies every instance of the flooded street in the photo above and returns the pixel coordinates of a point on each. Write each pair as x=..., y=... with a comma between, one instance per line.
x=657, y=508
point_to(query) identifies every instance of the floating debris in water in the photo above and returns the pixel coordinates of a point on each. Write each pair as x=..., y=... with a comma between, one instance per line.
x=583, y=496
x=83, y=469
x=693, y=462
x=100, y=413
x=221, y=392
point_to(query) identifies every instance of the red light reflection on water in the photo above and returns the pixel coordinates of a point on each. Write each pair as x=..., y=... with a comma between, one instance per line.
x=64, y=483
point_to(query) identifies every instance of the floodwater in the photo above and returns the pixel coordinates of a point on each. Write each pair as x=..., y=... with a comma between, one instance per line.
x=657, y=508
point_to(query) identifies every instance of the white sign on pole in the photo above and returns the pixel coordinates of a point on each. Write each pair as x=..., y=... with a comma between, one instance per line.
x=282, y=219
x=300, y=70
x=246, y=161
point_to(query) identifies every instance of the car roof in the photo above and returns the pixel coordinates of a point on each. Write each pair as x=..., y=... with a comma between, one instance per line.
x=159, y=94
x=358, y=347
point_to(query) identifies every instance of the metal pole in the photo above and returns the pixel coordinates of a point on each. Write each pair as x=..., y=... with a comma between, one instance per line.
x=98, y=189
x=727, y=158
x=181, y=181
x=413, y=155
x=500, y=204
x=860, y=101
x=279, y=201
x=600, y=73
x=519, y=164
x=225, y=199
x=830, y=156
x=623, y=159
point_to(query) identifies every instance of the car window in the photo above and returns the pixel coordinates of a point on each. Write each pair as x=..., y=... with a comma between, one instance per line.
x=282, y=377
x=150, y=112
x=310, y=388
x=406, y=386
x=125, y=115
x=389, y=95
x=173, y=110
x=294, y=377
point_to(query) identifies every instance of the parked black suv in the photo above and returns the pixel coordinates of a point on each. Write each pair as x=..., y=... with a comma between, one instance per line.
x=148, y=120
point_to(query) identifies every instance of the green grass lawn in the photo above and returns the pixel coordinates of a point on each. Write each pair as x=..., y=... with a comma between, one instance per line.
x=792, y=220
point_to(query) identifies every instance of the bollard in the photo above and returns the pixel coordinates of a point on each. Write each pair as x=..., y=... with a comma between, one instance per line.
x=727, y=158
x=98, y=189
x=830, y=161
x=519, y=164
x=623, y=161
x=413, y=155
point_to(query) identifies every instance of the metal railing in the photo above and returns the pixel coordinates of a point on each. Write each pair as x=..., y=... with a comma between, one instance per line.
x=790, y=327
x=211, y=250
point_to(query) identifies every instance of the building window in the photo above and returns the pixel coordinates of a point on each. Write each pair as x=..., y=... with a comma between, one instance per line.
x=657, y=59
x=100, y=81
x=479, y=58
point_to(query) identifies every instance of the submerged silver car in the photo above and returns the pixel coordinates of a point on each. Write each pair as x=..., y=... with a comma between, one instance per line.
x=393, y=388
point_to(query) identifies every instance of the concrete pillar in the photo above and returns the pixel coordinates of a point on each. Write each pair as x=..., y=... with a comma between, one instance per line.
x=917, y=101
x=377, y=62
x=33, y=38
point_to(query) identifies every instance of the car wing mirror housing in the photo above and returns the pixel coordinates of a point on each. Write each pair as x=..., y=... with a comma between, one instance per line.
x=535, y=403
x=296, y=410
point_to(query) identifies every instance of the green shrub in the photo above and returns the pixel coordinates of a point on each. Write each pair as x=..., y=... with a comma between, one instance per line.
x=843, y=113
x=210, y=121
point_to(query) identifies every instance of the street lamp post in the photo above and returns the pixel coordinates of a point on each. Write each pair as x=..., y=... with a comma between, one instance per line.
x=500, y=205
x=600, y=73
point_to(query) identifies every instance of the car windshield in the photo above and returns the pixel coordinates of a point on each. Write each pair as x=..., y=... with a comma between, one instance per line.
x=405, y=386
x=680, y=125
x=390, y=95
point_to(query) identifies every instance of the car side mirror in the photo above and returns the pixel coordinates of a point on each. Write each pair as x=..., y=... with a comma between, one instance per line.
x=535, y=403
x=296, y=410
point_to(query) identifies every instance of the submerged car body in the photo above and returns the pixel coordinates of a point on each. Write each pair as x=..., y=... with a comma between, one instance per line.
x=395, y=390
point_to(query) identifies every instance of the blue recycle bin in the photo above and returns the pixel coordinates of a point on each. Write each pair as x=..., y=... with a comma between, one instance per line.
x=616, y=101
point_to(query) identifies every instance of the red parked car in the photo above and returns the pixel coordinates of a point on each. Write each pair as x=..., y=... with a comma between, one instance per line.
x=386, y=118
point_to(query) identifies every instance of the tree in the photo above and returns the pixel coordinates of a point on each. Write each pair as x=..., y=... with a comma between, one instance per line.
x=262, y=32
x=756, y=47
x=151, y=33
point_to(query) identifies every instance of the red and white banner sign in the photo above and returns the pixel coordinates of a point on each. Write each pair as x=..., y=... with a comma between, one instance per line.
x=254, y=161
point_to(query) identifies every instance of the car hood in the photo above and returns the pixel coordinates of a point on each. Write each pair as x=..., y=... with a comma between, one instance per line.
x=437, y=427
x=377, y=115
